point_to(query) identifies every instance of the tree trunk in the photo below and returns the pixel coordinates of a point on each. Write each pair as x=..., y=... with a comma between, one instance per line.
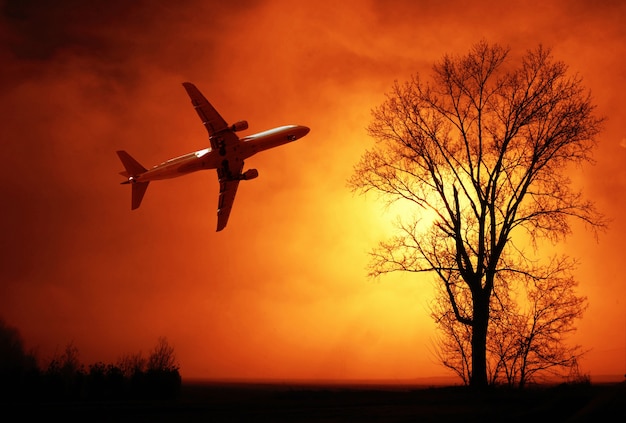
x=478, y=378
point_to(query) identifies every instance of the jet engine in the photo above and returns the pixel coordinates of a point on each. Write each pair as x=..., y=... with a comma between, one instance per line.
x=250, y=174
x=241, y=125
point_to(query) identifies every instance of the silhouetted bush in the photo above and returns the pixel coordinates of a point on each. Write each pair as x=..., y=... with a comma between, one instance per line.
x=64, y=378
x=18, y=369
x=106, y=381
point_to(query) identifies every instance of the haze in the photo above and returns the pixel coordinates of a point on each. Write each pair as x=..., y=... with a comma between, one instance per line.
x=282, y=292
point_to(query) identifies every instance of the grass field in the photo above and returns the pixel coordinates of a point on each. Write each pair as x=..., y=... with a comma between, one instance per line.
x=285, y=402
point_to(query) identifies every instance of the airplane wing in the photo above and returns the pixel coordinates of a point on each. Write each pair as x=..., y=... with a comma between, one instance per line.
x=228, y=177
x=213, y=122
x=228, y=190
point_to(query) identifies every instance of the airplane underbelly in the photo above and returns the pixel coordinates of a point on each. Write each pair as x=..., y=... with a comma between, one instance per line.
x=212, y=160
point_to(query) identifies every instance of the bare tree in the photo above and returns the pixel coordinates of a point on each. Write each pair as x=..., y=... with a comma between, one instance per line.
x=66, y=363
x=542, y=326
x=162, y=357
x=530, y=320
x=131, y=364
x=484, y=148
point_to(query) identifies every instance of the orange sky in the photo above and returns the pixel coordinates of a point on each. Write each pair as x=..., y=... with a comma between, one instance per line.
x=282, y=292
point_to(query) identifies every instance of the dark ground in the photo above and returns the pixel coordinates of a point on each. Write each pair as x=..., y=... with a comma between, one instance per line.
x=256, y=402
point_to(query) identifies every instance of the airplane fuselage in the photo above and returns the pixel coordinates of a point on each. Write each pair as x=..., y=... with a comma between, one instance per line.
x=212, y=159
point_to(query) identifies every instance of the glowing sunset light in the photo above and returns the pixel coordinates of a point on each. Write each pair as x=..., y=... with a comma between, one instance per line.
x=283, y=291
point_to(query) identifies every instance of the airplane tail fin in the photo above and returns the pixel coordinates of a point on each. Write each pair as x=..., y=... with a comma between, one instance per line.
x=132, y=166
x=133, y=169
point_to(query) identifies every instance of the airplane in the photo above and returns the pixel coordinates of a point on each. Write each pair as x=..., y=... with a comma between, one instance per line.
x=226, y=154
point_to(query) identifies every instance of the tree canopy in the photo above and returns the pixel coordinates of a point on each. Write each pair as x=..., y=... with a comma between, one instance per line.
x=483, y=146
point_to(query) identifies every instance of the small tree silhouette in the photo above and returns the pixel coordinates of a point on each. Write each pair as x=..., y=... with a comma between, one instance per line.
x=64, y=375
x=130, y=364
x=530, y=320
x=156, y=378
x=18, y=369
x=162, y=357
